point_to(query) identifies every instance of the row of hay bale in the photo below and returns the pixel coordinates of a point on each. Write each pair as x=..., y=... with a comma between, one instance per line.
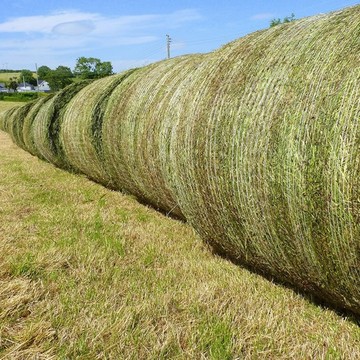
x=256, y=145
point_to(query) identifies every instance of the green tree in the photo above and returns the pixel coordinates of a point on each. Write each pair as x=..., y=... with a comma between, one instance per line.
x=27, y=76
x=12, y=84
x=64, y=71
x=290, y=18
x=59, y=78
x=92, y=68
x=275, y=22
x=43, y=71
x=278, y=21
x=103, y=69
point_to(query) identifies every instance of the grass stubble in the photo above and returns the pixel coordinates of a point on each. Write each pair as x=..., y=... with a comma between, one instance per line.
x=89, y=273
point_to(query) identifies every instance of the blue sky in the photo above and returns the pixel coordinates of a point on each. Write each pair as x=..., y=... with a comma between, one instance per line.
x=133, y=33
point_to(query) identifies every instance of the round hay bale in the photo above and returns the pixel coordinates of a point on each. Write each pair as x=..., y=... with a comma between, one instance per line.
x=268, y=171
x=133, y=138
x=256, y=145
x=29, y=123
x=81, y=131
x=47, y=124
x=6, y=118
x=16, y=121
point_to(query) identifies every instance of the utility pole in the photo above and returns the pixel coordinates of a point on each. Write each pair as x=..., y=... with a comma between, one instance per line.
x=168, y=41
x=37, y=77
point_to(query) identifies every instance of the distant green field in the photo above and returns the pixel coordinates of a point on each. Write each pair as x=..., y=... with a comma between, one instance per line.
x=5, y=77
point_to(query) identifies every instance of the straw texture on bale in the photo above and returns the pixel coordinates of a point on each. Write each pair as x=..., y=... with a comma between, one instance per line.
x=256, y=145
x=47, y=122
x=81, y=133
x=28, y=128
x=136, y=134
x=6, y=119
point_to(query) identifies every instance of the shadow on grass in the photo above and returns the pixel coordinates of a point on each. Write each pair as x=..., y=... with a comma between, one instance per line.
x=308, y=294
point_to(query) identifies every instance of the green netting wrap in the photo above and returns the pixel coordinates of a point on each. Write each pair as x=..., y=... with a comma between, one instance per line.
x=28, y=126
x=81, y=135
x=256, y=145
x=6, y=119
x=47, y=123
x=136, y=133
x=269, y=159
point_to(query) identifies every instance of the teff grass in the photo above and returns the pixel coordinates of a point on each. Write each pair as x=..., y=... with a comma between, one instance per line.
x=89, y=273
x=256, y=145
x=28, y=126
x=136, y=134
x=81, y=133
x=47, y=124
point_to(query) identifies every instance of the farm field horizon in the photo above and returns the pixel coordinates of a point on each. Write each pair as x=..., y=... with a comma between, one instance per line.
x=5, y=76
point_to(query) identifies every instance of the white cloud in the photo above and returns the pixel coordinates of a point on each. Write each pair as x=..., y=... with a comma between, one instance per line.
x=262, y=16
x=57, y=37
x=74, y=22
x=80, y=27
x=44, y=23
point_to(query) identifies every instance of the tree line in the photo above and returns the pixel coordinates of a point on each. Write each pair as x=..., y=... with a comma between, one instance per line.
x=85, y=68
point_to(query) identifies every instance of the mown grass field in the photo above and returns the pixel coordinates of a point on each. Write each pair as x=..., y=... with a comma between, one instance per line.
x=88, y=273
x=5, y=77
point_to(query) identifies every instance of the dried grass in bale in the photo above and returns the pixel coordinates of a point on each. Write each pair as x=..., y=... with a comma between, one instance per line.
x=5, y=118
x=257, y=145
x=2, y=119
x=16, y=124
x=81, y=131
x=28, y=125
x=133, y=137
x=266, y=154
x=47, y=124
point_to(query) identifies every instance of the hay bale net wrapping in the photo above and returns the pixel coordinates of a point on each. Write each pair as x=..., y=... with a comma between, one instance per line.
x=136, y=132
x=45, y=131
x=270, y=156
x=256, y=145
x=270, y=160
x=81, y=130
x=6, y=118
x=28, y=125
